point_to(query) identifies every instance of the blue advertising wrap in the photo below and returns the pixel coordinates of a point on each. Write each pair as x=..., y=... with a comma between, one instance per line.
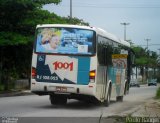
x=65, y=41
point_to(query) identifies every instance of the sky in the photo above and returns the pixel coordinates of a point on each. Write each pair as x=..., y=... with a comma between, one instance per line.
x=143, y=17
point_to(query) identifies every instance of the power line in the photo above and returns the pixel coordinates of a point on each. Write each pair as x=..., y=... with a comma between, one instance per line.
x=120, y=7
x=115, y=6
x=150, y=45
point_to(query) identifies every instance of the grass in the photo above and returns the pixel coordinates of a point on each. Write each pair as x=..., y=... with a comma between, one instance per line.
x=158, y=93
x=1, y=87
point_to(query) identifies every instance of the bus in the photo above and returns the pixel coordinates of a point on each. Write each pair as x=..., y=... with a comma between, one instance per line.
x=80, y=62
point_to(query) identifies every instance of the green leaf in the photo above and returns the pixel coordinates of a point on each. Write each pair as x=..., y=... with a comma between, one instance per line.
x=13, y=38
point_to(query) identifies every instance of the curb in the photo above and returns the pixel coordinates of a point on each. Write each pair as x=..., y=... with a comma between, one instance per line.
x=16, y=93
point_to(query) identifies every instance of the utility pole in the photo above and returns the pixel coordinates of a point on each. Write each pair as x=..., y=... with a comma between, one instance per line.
x=147, y=39
x=125, y=24
x=159, y=63
x=70, y=9
x=159, y=52
x=159, y=58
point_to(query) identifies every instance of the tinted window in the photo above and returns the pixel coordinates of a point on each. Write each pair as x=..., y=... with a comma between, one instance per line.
x=105, y=51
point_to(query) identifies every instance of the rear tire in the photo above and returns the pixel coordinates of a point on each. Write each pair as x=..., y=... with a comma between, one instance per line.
x=119, y=98
x=125, y=89
x=107, y=101
x=58, y=99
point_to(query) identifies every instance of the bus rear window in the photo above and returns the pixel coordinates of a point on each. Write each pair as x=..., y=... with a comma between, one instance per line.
x=65, y=41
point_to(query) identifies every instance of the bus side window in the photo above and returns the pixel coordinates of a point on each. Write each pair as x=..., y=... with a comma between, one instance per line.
x=107, y=55
x=105, y=51
x=109, y=52
x=100, y=54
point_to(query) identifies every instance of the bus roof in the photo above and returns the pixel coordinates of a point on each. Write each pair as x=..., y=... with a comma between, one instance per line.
x=65, y=25
x=126, y=43
x=112, y=37
x=97, y=30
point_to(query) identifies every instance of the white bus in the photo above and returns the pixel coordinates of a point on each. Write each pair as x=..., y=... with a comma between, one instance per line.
x=79, y=62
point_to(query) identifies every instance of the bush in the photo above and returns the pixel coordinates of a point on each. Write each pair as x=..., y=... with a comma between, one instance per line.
x=158, y=79
x=1, y=87
x=158, y=93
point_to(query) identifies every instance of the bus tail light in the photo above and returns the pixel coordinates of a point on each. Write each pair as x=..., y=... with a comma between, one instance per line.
x=92, y=75
x=34, y=73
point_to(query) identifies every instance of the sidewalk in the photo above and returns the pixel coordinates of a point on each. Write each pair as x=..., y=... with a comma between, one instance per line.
x=15, y=93
x=148, y=112
x=148, y=109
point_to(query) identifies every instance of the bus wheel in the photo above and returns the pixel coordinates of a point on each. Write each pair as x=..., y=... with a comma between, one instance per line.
x=58, y=99
x=119, y=98
x=125, y=89
x=107, y=101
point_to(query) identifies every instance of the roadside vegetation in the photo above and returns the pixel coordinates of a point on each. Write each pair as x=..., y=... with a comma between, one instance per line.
x=158, y=93
x=1, y=87
x=18, y=20
x=145, y=60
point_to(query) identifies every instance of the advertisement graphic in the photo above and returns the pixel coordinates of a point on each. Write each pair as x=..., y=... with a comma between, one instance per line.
x=65, y=41
x=120, y=64
x=119, y=60
x=64, y=68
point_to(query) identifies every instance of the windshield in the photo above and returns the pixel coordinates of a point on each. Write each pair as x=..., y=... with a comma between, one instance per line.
x=65, y=41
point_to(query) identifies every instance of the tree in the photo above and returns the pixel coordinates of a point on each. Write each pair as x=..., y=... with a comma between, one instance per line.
x=158, y=61
x=145, y=59
x=18, y=20
x=75, y=21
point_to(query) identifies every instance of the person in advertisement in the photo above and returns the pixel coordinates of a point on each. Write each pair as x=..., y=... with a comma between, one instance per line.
x=50, y=39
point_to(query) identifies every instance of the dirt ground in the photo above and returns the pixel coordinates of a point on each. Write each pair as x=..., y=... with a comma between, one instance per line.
x=148, y=112
x=148, y=109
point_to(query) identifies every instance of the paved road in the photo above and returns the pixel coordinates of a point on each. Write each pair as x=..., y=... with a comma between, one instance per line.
x=39, y=106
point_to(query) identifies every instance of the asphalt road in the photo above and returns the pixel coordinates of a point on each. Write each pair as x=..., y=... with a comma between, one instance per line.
x=39, y=106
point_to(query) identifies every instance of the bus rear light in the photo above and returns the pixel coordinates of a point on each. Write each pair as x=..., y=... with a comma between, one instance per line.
x=34, y=73
x=92, y=75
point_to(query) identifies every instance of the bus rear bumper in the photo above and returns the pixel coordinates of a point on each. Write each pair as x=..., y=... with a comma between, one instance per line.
x=43, y=88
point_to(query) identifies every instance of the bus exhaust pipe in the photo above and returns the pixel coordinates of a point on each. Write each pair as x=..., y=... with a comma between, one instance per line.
x=77, y=90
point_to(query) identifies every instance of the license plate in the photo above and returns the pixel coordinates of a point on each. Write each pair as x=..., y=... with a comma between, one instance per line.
x=61, y=89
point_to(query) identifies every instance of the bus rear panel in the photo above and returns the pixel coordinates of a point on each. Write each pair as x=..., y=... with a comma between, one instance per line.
x=61, y=62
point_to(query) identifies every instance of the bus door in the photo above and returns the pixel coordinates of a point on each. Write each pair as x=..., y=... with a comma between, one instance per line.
x=120, y=64
x=103, y=75
x=104, y=83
